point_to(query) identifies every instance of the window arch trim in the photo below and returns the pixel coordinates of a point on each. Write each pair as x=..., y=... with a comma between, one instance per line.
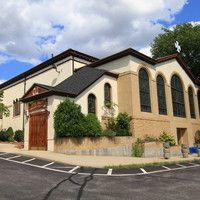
x=91, y=101
x=107, y=93
x=161, y=95
x=191, y=102
x=178, y=97
x=144, y=90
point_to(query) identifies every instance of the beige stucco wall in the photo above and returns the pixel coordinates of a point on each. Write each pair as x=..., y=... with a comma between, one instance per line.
x=153, y=124
x=97, y=89
x=64, y=144
x=48, y=76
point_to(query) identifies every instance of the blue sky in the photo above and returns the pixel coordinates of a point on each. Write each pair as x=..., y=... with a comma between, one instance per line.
x=39, y=28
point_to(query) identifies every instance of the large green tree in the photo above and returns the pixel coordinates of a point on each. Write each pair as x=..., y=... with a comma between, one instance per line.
x=3, y=109
x=188, y=36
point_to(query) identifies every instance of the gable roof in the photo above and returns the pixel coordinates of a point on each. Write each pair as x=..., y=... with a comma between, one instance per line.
x=147, y=59
x=121, y=54
x=181, y=62
x=59, y=57
x=72, y=86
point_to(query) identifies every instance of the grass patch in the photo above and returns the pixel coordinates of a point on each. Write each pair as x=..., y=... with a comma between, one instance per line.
x=129, y=166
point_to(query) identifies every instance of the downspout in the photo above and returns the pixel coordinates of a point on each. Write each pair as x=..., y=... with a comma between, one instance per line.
x=23, y=125
x=72, y=64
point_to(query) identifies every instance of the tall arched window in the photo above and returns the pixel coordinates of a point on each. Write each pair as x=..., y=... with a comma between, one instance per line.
x=91, y=103
x=162, y=107
x=191, y=102
x=177, y=97
x=145, y=101
x=198, y=96
x=107, y=93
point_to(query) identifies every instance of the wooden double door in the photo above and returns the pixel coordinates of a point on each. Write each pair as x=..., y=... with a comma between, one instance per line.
x=38, y=122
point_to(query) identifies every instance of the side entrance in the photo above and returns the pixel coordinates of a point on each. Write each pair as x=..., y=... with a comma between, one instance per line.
x=38, y=122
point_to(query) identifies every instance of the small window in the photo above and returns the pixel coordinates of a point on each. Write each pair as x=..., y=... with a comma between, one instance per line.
x=91, y=103
x=145, y=99
x=16, y=107
x=191, y=102
x=107, y=93
x=177, y=97
x=162, y=107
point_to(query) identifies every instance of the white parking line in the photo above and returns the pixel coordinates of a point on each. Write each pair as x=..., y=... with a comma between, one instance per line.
x=48, y=164
x=12, y=157
x=62, y=167
x=144, y=171
x=3, y=154
x=166, y=167
x=28, y=160
x=75, y=168
x=181, y=165
x=109, y=172
x=195, y=164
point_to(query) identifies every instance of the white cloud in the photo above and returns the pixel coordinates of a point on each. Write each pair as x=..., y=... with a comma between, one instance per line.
x=2, y=81
x=146, y=51
x=3, y=59
x=32, y=28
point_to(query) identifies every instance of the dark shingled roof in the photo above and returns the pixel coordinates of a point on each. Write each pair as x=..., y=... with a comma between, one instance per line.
x=73, y=85
x=81, y=80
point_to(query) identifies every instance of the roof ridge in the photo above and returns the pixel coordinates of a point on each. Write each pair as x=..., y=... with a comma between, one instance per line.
x=47, y=63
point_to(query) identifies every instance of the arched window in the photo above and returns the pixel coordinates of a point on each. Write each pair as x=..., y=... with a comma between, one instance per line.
x=107, y=93
x=162, y=107
x=191, y=102
x=177, y=97
x=91, y=103
x=198, y=96
x=145, y=101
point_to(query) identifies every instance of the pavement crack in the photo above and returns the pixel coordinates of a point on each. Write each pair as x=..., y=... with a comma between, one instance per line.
x=86, y=180
x=57, y=185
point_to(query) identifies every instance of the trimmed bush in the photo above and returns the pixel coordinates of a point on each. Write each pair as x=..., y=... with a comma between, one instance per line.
x=19, y=136
x=7, y=135
x=122, y=126
x=3, y=136
x=197, y=137
x=138, y=148
x=164, y=137
x=69, y=120
x=92, y=126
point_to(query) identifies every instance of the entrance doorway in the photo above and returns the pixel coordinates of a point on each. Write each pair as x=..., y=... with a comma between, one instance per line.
x=38, y=121
x=182, y=136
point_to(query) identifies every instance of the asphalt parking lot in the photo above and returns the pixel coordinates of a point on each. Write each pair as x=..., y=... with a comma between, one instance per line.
x=25, y=177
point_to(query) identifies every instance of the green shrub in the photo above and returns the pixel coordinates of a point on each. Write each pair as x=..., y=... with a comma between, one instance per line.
x=109, y=133
x=10, y=134
x=122, y=126
x=19, y=136
x=7, y=135
x=3, y=136
x=69, y=120
x=92, y=126
x=197, y=137
x=138, y=148
x=148, y=138
x=164, y=137
x=119, y=126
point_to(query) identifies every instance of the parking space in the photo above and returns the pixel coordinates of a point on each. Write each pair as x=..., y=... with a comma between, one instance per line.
x=154, y=168
x=73, y=169
x=7, y=155
x=127, y=171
